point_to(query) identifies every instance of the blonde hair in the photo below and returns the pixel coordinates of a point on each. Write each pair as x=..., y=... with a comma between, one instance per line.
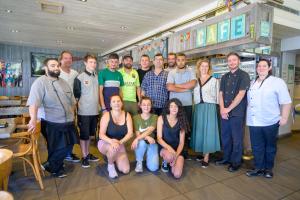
x=199, y=63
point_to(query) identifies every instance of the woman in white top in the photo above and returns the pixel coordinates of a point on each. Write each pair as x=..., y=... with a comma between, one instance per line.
x=205, y=134
x=269, y=105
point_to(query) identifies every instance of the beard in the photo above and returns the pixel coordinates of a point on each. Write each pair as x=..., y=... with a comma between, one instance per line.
x=128, y=66
x=53, y=74
x=171, y=65
x=181, y=67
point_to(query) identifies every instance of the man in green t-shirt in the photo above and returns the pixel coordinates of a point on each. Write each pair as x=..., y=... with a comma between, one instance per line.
x=131, y=87
x=110, y=80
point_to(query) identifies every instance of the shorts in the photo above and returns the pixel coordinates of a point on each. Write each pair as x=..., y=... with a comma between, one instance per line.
x=87, y=125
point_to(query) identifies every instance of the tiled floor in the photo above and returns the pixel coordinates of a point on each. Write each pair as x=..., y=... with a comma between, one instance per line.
x=212, y=183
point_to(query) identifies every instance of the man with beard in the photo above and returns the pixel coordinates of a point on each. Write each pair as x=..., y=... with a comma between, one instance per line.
x=68, y=74
x=145, y=67
x=171, y=61
x=131, y=87
x=180, y=83
x=56, y=97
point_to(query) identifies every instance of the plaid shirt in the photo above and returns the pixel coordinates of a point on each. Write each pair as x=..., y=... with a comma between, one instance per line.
x=155, y=87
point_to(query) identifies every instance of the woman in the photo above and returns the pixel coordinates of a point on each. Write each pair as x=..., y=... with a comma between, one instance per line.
x=171, y=129
x=145, y=126
x=269, y=105
x=115, y=130
x=205, y=134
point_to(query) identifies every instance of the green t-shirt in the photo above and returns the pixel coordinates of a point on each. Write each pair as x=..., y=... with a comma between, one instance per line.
x=109, y=78
x=131, y=82
x=141, y=125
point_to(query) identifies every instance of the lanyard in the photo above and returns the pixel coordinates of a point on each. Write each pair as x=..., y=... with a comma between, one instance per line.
x=262, y=81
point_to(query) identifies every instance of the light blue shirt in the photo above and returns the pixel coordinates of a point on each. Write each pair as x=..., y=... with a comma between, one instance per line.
x=264, y=101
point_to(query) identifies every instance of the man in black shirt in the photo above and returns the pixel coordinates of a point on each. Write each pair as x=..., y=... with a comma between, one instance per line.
x=233, y=103
x=145, y=67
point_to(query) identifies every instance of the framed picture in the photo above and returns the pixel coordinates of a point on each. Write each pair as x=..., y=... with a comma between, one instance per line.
x=11, y=74
x=37, y=63
x=238, y=26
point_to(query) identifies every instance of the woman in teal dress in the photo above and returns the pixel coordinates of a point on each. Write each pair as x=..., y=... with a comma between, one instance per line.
x=205, y=133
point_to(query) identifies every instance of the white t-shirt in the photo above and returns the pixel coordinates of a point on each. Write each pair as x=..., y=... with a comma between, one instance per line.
x=69, y=77
x=264, y=100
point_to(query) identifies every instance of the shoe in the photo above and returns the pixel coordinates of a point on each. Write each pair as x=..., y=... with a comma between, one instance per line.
x=255, y=172
x=139, y=167
x=164, y=166
x=233, y=168
x=60, y=174
x=199, y=158
x=72, y=158
x=186, y=155
x=46, y=167
x=112, y=173
x=204, y=164
x=268, y=174
x=222, y=162
x=92, y=158
x=85, y=163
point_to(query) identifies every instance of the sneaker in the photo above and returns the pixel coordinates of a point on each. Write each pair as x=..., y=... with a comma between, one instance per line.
x=85, y=163
x=60, y=174
x=255, y=172
x=112, y=173
x=222, y=162
x=268, y=174
x=72, y=158
x=139, y=167
x=164, y=166
x=233, y=168
x=186, y=155
x=92, y=158
x=204, y=164
x=199, y=158
x=46, y=166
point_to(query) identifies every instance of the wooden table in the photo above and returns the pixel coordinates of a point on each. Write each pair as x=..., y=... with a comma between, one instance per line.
x=15, y=110
x=4, y=103
x=6, y=132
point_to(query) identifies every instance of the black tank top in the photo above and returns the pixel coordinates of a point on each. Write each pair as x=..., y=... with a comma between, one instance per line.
x=171, y=135
x=115, y=131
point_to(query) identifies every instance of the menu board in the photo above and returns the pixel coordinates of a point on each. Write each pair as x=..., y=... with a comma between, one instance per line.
x=201, y=37
x=238, y=26
x=224, y=30
x=212, y=31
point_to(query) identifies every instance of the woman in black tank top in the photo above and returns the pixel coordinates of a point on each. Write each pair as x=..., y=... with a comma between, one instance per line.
x=115, y=130
x=171, y=129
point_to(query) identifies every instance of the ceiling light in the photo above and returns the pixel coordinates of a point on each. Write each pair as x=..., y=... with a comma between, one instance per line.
x=83, y=0
x=103, y=40
x=8, y=11
x=70, y=28
x=14, y=31
x=123, y=28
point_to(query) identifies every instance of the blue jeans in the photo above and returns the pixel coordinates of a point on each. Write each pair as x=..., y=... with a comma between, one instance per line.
x=232, y=132
x=264, y=145
x=152, y=159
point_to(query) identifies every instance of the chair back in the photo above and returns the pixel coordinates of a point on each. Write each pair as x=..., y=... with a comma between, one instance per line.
x=5, y=167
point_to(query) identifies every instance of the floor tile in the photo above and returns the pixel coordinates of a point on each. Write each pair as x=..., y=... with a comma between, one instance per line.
x=179, y=197
x=294, y=196
x=191, y=179
x=100, y=193
x=215, y=191
x=257, y=187
x=145, y=187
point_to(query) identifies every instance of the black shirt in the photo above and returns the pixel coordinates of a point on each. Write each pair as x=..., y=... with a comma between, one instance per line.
x=231, y=84
x=142, y=74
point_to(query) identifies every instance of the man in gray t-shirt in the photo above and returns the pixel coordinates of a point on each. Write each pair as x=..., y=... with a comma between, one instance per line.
x=56, y=97
x=180, y=83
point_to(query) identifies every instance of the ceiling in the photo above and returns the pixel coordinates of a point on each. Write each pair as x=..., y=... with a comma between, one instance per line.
x=94, y=25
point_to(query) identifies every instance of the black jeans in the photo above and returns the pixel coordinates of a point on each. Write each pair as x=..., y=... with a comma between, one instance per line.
x=188, y=111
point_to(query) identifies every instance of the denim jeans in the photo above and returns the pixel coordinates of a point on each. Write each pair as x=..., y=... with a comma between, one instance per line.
x=264, y=145
x=152, y=158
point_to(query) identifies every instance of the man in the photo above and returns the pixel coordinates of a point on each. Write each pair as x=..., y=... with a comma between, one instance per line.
x=154, y=85
x=171, y=61
x=110, y=80
x=131, y=87
x=233, y=102
x=145, y=67
x=86, y=92
x=180, y=83
x=56, y=97
x=68, y=74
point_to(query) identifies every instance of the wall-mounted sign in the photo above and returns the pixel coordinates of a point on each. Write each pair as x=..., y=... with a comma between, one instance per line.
x=212, y=31
x=265, y=29
x=224, y=30
x=185, y=36
x=201, y=37
x=238, y=25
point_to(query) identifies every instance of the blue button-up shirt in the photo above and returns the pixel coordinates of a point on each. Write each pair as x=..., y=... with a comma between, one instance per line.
x=155, y=87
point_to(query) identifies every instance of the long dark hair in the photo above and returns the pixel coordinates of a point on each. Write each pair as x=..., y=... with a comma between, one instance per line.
x=181, y=115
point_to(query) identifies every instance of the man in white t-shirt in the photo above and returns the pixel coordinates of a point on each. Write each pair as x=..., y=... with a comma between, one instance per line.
x=68, y=74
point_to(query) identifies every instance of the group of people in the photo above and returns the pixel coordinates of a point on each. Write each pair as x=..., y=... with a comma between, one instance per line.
x=158, y=112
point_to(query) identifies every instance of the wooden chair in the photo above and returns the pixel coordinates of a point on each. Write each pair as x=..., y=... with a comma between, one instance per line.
x=15, y=98
x=28, y=151
x=5, y=167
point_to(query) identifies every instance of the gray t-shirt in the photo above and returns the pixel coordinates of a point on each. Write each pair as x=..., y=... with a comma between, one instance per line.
x=56, y=96
x=178, y=77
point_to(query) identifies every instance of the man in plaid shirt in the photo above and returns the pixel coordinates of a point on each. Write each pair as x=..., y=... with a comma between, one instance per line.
x=154, y=85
